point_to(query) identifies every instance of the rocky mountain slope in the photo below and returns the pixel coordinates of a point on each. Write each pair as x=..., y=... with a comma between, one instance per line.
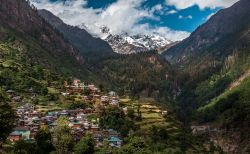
x=225, y=32
x=80, y=38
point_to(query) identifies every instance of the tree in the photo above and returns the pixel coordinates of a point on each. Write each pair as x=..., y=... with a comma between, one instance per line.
x=85, y=146
x=22, y=147
x=7, y=120
x=139, y=114
x=114, y=118
x=101, y=87
x=131, y=113
x=44, y=140
x=64, y=140
x=136, y=145
x=77, y=105
x=154, y=134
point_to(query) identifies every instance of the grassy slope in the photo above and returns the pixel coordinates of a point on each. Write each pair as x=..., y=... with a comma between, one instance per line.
x=152, y=117
x=232, y=106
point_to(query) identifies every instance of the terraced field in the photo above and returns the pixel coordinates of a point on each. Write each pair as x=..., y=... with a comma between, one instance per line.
x=152, y=116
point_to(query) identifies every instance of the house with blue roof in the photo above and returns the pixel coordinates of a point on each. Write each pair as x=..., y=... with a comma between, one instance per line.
x=115, y=142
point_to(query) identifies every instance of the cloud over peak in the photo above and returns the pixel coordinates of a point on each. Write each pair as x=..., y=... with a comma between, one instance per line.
x=121, y=16
x=202, y=4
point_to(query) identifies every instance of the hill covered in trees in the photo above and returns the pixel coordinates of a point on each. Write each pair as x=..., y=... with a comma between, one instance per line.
x=212, y=88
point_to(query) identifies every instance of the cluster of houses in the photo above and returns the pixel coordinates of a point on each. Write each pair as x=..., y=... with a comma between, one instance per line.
x=78, y=87
x=94, y=94
x=31, y=120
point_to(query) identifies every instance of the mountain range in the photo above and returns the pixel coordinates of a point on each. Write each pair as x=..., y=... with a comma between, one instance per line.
x=127, y=44
x=204, y=79
x=123, y=70
x=119, y=43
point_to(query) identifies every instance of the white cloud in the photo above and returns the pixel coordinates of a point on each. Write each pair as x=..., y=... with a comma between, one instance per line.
x=190, y=17
x=157, y=7
x=172, y=12
x=202, y=4
x=187, y=17
x=121, y=16
x=180, y=17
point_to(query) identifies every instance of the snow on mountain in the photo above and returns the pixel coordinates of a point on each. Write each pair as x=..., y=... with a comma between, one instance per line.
x=128, y=44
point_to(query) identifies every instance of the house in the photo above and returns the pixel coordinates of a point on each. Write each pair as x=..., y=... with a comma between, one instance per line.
x=65, y=94
x=94, y=128
x=35, y=114
x=91, y=87
x=24, y=131
x=15, y=136
x=112, y=94
x=164, y=113
x=20, y=111
x=87, y=98
x=35, y=119
x=86, y=125
x=80, y=116
x=52, y=125
x=98, y=136
x=203, y=129
x=75, y=125
x=125, y=110
x=17, y=98
x=115, y=142
x=29, y=107
x=104, y=99
x=114, y=102
x=110, y=133
x=76, y=82
x=64, y=113
x=95, y=97
x=10, y=91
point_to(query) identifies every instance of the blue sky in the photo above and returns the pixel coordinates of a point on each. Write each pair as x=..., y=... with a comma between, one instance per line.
x=174, y=19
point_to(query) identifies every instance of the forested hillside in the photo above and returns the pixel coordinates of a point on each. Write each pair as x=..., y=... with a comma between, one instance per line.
x=45, y=46
x=212, y=90
x=140, y=74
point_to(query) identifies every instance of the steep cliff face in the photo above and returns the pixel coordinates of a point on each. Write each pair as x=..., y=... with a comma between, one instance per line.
x=47, y=47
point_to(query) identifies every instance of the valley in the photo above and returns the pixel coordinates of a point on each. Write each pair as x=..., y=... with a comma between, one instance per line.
x=64, y=90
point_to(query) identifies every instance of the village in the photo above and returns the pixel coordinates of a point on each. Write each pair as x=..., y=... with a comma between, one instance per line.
x=81, y=121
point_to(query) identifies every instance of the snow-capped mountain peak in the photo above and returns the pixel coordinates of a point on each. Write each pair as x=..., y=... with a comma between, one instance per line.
x=125, y=43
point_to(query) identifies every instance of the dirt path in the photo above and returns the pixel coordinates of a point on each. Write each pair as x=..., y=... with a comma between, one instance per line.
x=238, y=81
